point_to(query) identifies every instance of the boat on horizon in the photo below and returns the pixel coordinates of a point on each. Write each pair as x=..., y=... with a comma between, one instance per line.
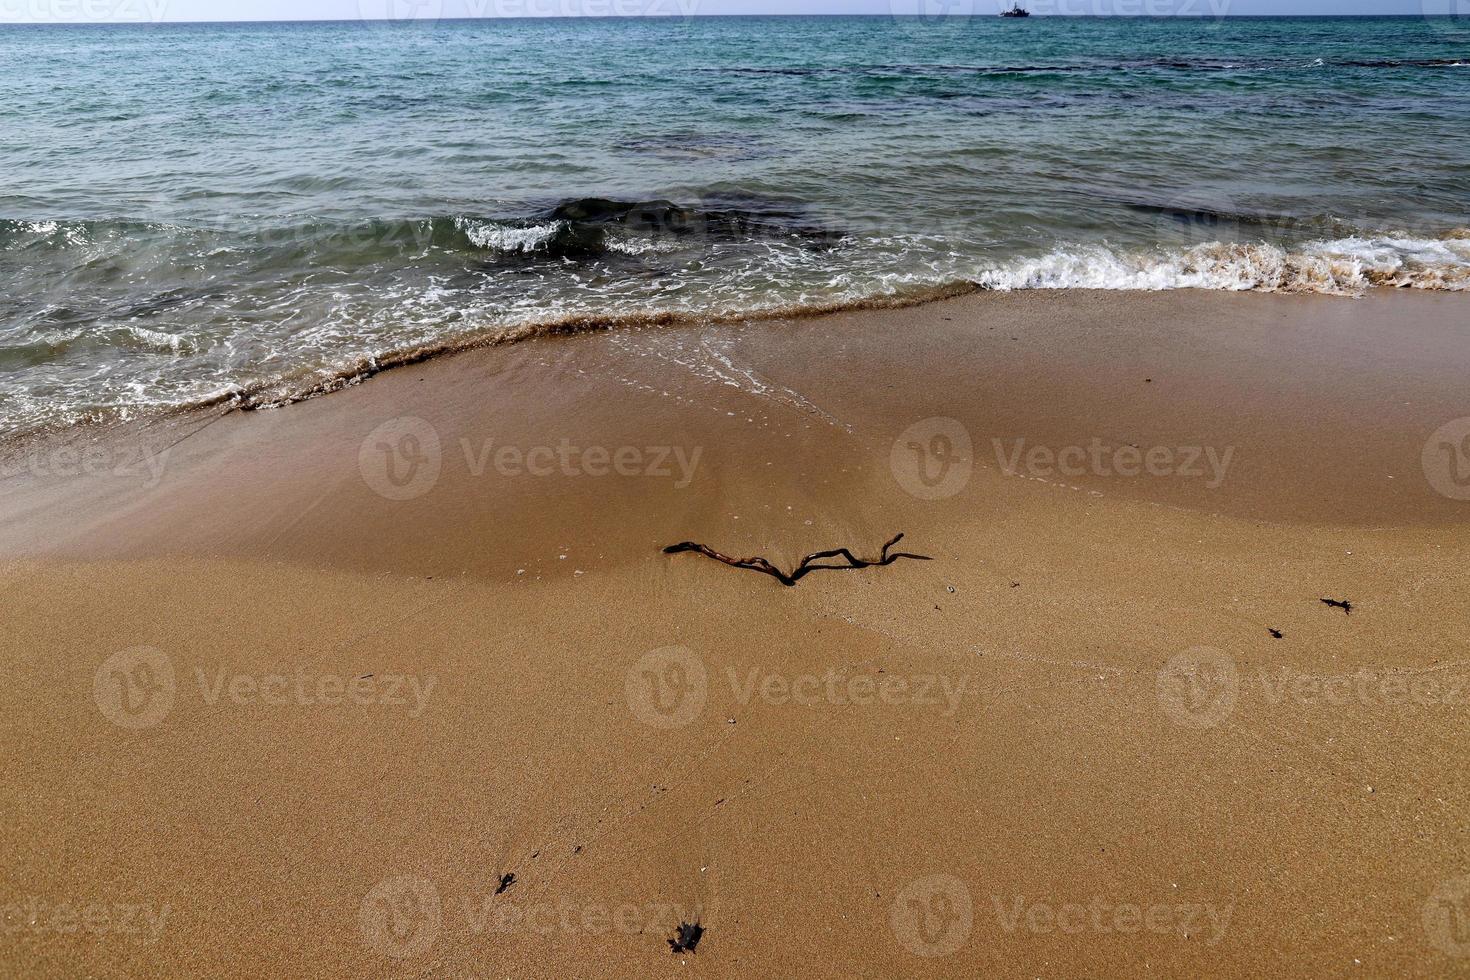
x=1016, y=11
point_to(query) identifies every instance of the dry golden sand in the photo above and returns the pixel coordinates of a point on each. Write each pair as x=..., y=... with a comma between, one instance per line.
x=1066, y=746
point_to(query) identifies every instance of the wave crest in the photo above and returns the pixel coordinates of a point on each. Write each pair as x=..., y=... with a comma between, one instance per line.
x=1342, y=267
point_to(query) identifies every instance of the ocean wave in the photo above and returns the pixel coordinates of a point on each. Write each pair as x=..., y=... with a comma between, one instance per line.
x=124, y=339
x=184, y=345
x=310, y=383
x=579, y=228
x=1342, y=267
x=510, y=239
x=594, y=226
x=23, y=232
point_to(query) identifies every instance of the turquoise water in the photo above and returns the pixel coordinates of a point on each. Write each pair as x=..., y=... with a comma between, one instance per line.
x=264, y=211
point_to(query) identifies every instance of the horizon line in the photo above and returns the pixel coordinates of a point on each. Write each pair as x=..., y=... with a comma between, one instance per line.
x=408, y=21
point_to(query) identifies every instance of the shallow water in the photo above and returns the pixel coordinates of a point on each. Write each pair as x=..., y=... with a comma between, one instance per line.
x=192, y=211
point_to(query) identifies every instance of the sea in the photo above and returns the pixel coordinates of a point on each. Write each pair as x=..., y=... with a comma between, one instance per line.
x=250, y=214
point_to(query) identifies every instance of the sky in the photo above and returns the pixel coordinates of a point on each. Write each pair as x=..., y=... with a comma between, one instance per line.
x=155, y=11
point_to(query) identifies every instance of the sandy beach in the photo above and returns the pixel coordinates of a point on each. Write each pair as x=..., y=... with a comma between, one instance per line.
x=398, y=681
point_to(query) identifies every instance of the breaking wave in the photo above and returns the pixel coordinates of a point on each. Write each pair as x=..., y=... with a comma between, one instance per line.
x=1346, y=267
x=292, y=312
x=1342, y=267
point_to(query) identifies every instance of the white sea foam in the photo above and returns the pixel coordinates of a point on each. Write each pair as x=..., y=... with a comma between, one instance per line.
x=631, y=245
x=1344, y=267
x=156, y=340
x=507, y=238
x=333, y=338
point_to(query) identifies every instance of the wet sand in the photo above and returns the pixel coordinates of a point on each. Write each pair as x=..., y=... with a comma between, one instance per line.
x=295, y=690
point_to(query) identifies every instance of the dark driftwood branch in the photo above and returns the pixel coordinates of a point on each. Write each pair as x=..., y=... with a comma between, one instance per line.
x=808, y=564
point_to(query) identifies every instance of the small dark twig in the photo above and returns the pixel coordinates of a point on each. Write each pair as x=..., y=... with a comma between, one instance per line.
x=1343, y=604
x=808, y=564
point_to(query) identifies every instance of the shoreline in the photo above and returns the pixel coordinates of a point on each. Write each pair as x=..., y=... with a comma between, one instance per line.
x=244, y=399
x=285, y=390
x=1025, y=373
x=408, y=640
